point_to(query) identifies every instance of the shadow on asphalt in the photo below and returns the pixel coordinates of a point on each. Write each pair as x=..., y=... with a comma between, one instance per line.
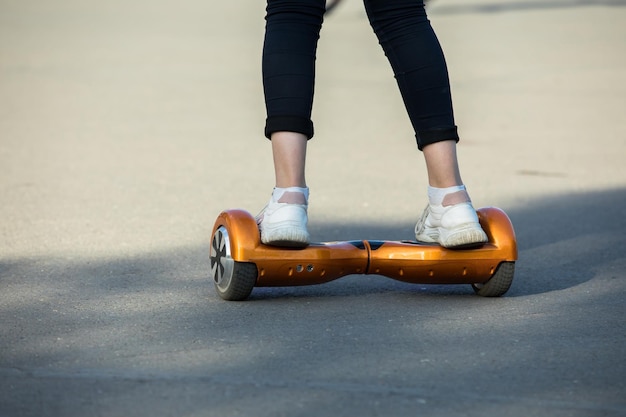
x=149, y=331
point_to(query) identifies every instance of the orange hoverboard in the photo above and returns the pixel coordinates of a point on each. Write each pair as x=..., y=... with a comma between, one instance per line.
x=240, y=262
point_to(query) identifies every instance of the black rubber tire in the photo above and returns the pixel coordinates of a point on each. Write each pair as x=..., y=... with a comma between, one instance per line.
x=233, y=280
x=499, y=283
x=241, y=283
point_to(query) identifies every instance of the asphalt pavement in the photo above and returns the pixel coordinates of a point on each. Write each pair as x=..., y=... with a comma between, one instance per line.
x=127, y=126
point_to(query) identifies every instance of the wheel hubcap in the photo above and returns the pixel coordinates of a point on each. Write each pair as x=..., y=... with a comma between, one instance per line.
x=222, y=263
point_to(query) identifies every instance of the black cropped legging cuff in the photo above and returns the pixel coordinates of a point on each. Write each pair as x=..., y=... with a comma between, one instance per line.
x=408, y=40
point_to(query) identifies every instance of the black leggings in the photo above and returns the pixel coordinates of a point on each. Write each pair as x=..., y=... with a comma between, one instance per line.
x=404, y=31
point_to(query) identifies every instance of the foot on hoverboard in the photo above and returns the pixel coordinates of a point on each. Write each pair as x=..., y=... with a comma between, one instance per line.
x=453, y=226
x=284, y=223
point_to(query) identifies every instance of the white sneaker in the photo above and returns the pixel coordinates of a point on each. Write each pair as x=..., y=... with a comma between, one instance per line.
x=453, y=226
x=284, y=224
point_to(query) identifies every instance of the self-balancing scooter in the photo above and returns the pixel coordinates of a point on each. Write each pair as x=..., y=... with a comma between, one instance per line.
x=240, y=262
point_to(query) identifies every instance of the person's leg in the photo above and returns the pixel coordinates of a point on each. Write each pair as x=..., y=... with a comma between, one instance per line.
x=289, y=50
x=442, y=164
x=419, y=66
x=288, y=64
x=289, y=153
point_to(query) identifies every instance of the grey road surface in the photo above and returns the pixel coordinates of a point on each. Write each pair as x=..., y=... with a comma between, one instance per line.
x=127, y=126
